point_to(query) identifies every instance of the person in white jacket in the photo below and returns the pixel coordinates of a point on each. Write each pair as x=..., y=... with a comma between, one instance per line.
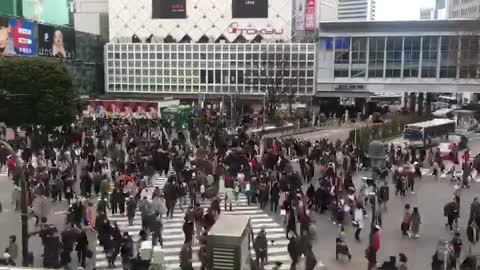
x=358, y=218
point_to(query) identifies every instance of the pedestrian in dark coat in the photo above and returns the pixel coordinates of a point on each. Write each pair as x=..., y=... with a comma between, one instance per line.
x=131, y=209
x=188, y=230
x=186, y=256
x=294, y=251
x=170, y=192
x=261, y=248
x=126, y=251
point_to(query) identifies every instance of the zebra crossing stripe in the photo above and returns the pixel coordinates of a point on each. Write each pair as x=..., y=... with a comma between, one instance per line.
x=173, y=237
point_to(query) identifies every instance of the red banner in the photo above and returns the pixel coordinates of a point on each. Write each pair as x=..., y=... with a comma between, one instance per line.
x=121, y=109
x=310, y=15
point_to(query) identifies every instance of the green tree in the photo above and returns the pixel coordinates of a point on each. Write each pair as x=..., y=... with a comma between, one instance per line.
x=39, y=92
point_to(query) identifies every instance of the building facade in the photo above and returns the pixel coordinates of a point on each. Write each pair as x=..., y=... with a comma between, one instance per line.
x=462, y=9
x=186, y=48
x=190, y=69
x=358, y=10
x=91, y=16
x=205, y=20
x=416, y=56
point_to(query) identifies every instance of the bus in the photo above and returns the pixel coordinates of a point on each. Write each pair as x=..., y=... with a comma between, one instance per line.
x=446, y=102
x=428, y=133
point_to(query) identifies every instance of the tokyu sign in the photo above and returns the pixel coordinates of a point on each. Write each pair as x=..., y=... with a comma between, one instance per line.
x=234, y=28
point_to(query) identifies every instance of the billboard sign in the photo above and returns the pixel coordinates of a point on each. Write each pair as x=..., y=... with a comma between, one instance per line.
x=235, y=28
x=249, y=9
x=169, y=9
x=55, y=12
x=56, y=41
x=121, y=109
x=310, y=15
x=300, y=15
x=8, y=7
x=16, y=37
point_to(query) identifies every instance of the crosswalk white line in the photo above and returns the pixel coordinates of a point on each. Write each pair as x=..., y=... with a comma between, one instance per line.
x=173, y=236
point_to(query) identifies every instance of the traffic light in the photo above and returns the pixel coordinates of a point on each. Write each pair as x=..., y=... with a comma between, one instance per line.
x=184, y=125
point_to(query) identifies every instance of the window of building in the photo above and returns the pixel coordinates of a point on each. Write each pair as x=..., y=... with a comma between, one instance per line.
x=411, y=57
x=342, y=56
x=394, y=57
x=359, y=56
x=469, y=57
x=448, y=58
x=376, y=55
x=429, y=57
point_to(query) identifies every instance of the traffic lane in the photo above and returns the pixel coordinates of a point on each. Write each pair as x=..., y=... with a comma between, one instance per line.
x=10, y=222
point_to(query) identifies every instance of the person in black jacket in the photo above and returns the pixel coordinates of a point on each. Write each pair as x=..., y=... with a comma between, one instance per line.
x=274, y=197
x=69, y=237
x=126, y=250
x=294, y=250
x=451, y=212
x=82, y=247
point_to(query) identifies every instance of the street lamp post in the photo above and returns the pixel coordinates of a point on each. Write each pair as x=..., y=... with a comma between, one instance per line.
x=23, y=201
x=376, y=154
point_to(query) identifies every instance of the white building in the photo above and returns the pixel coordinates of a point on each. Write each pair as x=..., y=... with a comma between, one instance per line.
x=211, y=47
x=361, y=10
x=200, y=19
x=91, y=16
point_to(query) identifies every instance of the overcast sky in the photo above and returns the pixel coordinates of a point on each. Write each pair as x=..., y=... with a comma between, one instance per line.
x=388, y=10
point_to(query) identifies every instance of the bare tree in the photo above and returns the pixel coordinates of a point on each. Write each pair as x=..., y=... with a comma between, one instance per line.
x=280, y=82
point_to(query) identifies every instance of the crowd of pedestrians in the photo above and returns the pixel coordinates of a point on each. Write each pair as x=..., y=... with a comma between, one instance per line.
x=107, y=169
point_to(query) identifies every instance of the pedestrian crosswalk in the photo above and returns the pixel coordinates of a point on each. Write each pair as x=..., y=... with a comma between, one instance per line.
x=173, y=237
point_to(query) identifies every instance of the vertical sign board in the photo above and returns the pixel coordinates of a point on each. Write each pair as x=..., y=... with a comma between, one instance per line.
x=169, y=9
x=56, y=41
x=300, y=15
x=16, y=37
x=310, y=15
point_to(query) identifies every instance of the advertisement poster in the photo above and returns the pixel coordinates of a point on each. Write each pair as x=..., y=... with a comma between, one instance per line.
x=300, y=15
x=16, y=37
x=121, y=109
x=169, y=9
x=49, y=11
x=8, y=7
x=310, y=15
x=249, y=9
x=56, y=41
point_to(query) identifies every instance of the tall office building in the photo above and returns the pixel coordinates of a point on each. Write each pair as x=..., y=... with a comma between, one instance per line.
x=462, y=9
x=361, y=10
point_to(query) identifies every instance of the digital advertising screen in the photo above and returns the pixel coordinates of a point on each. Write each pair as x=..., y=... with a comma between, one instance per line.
x=169, y=9
x=16, y=37
x=8, y=7
x=121, y=109
x=249, y=9
x=56, y=41
x=48, y=11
